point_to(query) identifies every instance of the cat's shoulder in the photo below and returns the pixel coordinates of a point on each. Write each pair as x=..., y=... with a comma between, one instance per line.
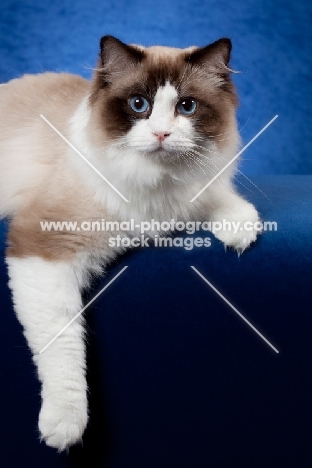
x=47, y=78
x=49, y=84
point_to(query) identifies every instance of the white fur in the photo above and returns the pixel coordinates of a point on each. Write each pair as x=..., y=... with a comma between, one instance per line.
x=159, y=184
x=16, y=184
x=141, y=177
x=46, y=296
x=155, y=187
x=233, y=208
x=143, y=137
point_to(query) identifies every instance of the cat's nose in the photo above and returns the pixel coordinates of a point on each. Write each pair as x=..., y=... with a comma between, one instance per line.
x=161, y=136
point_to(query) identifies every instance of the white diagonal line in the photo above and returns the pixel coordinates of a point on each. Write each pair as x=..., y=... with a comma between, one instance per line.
x=235, y=157
x=235, y=310
x=83, y=157
x=82, y=310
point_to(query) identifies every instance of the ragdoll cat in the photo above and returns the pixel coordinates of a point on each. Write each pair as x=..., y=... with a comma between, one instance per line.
x=158, y=123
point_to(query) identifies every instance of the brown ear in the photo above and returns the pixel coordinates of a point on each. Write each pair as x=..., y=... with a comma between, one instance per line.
x=116, y=57
x=215, y=56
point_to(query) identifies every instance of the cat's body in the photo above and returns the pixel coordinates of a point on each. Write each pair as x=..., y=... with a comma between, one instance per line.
x=158, y=123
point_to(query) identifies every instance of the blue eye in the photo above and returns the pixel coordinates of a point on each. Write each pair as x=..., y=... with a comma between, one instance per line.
x=139, y=104
x=186, y=106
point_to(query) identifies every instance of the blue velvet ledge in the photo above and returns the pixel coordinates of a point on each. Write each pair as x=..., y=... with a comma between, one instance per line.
x=177, y=379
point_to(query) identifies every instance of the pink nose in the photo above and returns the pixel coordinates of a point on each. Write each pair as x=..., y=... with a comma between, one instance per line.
x=161, y=136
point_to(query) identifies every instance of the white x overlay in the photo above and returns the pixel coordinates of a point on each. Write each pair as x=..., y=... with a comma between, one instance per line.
x=235, y=310
x=83, y=157
x=82, y=310
x=122, y=196
x=235, y=157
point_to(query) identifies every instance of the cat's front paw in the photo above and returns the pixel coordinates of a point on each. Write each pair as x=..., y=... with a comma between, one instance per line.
x=62, y=423
x=237, y=228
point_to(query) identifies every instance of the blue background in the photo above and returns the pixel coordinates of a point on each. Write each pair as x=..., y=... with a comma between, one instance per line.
x=176, y=379
x=271, y=46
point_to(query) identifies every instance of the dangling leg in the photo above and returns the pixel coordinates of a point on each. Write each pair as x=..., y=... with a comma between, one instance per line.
x=46, y=297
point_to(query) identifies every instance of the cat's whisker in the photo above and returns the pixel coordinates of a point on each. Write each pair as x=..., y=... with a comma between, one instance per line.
x=209, y=150
x=188, y=165
x=137, y=97
x=256, y=186
x=237, y=180
x=199, y=163
x=214, y=171
x=241, y=183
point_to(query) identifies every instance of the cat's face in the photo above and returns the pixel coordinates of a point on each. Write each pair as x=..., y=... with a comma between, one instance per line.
x=164, y=102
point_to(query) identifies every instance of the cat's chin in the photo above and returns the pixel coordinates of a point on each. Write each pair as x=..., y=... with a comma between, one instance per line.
x=160, y=152
x=164, y=155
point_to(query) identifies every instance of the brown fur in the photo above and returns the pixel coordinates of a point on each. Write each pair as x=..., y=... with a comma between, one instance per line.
x=136, y=70
x=22, y=102
x=47, y=194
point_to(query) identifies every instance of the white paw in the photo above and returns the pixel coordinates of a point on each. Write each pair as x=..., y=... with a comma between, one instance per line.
x=238, y=241
x=62, y=422
x=245, y=226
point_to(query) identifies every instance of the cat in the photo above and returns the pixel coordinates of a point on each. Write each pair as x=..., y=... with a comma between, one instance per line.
x=157, y=122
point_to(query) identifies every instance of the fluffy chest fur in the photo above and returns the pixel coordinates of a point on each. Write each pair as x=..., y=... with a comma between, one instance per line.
x=157, y=123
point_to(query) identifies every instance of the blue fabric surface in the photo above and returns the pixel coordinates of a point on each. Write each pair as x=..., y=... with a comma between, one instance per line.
x=271, y=46
x=177, y=379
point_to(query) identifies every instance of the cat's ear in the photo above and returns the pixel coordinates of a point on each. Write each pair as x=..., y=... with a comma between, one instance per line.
x=213, y=57
x=116, y=57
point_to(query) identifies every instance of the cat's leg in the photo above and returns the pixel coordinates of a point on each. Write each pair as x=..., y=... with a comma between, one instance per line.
x=225, y=205
x=46, y=297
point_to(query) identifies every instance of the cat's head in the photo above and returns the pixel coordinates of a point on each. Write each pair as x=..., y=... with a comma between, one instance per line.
x=164, y=102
